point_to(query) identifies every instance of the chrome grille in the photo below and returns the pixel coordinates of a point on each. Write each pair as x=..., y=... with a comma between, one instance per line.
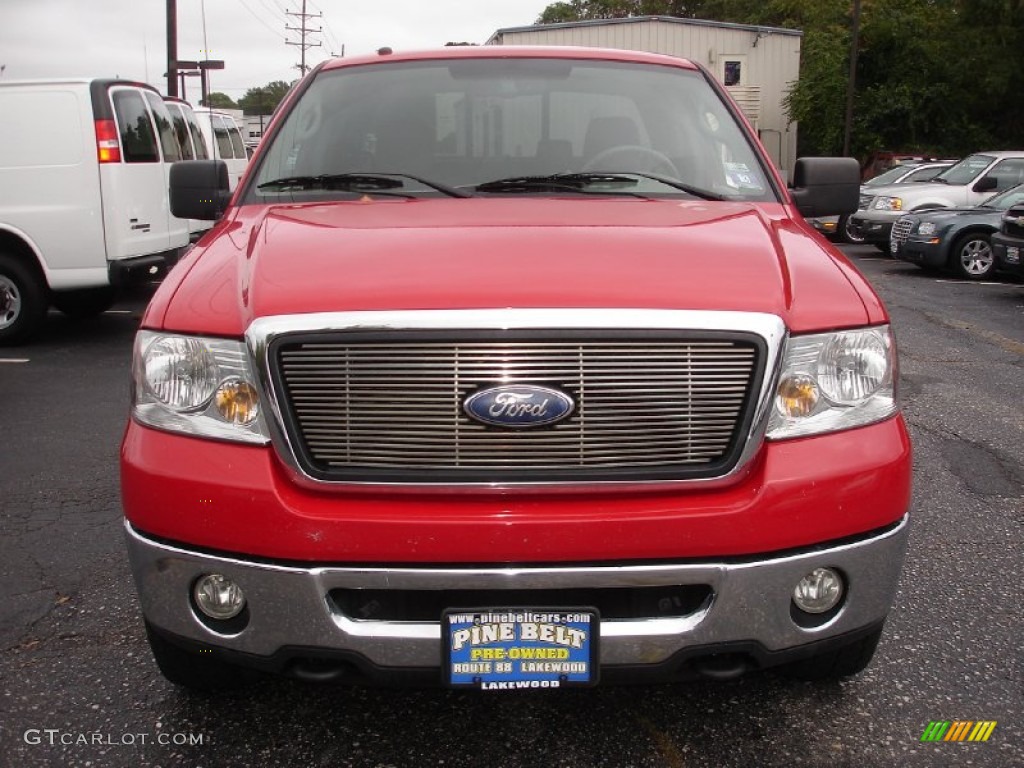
x=900, y=230
x=668, y=405
x=1013, y=222
x=865, y=201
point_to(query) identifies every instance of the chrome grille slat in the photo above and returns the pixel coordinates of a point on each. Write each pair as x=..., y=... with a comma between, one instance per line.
x=552, y=441
x=901, y=229
x=394, y=405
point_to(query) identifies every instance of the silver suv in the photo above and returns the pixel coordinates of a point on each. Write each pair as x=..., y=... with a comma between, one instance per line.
x=966, y=184
x=838, y=227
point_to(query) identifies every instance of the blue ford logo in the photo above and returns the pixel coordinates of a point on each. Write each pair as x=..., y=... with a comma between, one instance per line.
x=518, y=406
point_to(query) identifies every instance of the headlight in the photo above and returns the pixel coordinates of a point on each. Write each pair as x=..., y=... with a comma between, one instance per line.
x=833, y=381
x=926, y=228
x=883, y=203
x=197, y=386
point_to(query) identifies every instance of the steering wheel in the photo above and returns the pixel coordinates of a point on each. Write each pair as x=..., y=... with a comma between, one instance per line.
x=632, y=157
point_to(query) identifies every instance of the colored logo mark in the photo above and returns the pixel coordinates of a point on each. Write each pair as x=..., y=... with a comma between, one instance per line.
x=958, y=730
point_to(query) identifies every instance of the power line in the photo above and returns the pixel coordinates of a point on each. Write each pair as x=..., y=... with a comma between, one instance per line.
x=334, y=40
x=276, y=13
x=252, y=13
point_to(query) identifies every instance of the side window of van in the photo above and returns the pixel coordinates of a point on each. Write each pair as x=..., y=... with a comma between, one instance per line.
x=172, y=151
x=197, y=135
x=236, y=139
x=181, y=132
x=220, y=132
x=138, y=142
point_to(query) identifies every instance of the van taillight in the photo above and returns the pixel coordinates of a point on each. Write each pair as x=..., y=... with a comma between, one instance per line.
x=108, y=148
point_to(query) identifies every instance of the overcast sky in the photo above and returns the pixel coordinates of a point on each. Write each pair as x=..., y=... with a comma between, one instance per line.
x=104, y=38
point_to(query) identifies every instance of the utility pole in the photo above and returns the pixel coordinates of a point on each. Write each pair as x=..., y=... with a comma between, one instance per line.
x=303, y=30
x=172, y=47
x=852, y=83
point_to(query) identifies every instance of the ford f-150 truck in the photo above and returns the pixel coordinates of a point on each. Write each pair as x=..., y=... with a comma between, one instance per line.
x=513, y=368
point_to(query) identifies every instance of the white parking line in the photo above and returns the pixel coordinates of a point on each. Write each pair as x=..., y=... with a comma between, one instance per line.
x=967, y=282
x=119, y=312
x=13, y=359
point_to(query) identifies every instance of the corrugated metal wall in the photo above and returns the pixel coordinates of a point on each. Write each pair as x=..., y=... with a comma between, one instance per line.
x=772, y=61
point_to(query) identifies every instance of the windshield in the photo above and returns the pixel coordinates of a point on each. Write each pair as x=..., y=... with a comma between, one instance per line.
x=891, y=176
x=967, y=170
x=481, y=126
x=1004, y=200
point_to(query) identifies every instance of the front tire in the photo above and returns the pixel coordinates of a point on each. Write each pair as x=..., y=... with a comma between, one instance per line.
x=835, y=664
x=85, y=303
x=22, y=301
x=195, y=671
x=972, y=257
x=847, y=233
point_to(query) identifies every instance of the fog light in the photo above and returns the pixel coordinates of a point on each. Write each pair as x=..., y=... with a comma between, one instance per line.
x=819, y=591
x=218, y=597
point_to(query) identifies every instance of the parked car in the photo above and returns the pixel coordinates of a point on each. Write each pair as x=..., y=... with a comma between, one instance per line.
x=838, y=227
x=84, y=170
x=223, y=141
x=970, y=182
x=193, y=147
x=954, y=239
x=1008, y=242
x=514, y=368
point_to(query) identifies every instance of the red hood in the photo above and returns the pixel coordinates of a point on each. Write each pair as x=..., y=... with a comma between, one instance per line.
x=510, y=252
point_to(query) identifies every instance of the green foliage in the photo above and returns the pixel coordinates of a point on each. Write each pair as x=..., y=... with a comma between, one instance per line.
x=263, y=101
x=576, y=10
x=219, y=100
x=935, y=76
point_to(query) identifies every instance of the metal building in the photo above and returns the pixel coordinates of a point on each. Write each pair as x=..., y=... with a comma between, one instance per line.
x=757, y=64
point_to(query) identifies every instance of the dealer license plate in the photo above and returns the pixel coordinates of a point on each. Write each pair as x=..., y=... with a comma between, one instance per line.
x=1012, y=254
x=504, y=649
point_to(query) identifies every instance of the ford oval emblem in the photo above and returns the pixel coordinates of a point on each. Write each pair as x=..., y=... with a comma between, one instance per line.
x=518, y=406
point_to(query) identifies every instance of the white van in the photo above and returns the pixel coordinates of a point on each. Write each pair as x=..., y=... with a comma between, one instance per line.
x=224, y=141
x=84, y=169
x=186, y=129
x=193, y=147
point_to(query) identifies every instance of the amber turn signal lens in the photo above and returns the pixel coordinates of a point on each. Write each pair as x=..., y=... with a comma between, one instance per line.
x=797, y=396
x=236, y=402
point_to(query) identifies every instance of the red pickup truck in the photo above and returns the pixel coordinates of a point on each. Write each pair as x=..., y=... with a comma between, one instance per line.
x=513, y=368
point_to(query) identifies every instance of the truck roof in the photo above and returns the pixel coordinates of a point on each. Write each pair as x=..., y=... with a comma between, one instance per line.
x=514, y=52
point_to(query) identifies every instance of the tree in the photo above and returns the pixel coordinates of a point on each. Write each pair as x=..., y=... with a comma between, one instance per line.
x=577, y=10
x=219, y=100
x=933, y=76
x=263, y=101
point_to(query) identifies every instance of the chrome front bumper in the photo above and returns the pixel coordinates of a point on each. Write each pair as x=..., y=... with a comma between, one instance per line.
x=289, y=606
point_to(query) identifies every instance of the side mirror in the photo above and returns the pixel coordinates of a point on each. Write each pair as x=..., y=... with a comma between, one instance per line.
x=200, y=189
x=826, y=186
x=986, y=184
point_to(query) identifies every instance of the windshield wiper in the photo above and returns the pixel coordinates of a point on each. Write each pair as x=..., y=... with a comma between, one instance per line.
x=359, y=182
x=556, y=182
x=582, y=181
x=689, y=189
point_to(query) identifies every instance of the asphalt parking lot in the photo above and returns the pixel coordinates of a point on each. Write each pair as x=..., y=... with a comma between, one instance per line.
x=79, y=688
